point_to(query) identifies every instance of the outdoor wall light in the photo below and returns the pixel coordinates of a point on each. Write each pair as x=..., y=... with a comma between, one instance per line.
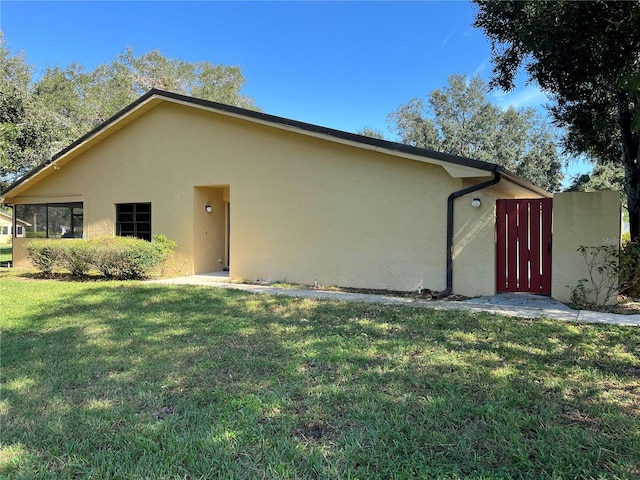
x=475, y=203
x=207, y=208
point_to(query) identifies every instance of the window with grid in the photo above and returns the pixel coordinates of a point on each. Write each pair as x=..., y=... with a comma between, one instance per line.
x=133, y=220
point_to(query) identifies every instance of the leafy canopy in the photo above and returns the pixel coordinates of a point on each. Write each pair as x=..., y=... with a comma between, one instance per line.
x=39, y=118
x=586, y=55
x=459, y=119
x=25, y=128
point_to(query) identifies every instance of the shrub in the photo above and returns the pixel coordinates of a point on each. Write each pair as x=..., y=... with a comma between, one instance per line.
x=77, y=256
x=35, y=234
x=113, y=257
x=126, y=258
x=44, y=255
x=580, y=296
x=612, y=269
x=166, y=246
x=629, y=267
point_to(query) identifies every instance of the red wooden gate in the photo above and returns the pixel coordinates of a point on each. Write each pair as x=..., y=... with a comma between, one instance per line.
x=523, y=245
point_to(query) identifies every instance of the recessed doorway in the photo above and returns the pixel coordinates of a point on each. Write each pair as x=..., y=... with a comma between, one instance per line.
x=211, y=228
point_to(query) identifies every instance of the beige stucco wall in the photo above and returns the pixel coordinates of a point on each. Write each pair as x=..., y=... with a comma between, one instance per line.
x=8, y=223
x=474, y=246
x=580, y=219
x=302, y=209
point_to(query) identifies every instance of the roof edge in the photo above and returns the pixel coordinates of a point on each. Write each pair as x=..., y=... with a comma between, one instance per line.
x=112, y=119
x=341, y=134
x=376, y=143
x=524, y=183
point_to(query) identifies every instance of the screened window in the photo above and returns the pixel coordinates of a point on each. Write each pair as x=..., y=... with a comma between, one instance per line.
x=4, y=230
x=134, y=220
x=50, y=220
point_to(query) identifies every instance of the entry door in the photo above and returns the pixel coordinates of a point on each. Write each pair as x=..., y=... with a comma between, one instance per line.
x=523, y=245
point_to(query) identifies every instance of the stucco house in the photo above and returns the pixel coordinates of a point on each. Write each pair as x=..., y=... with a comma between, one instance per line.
x=275, y=199
x=7, y=227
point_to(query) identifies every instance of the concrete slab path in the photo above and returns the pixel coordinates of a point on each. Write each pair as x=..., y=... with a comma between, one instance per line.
x=522, y=305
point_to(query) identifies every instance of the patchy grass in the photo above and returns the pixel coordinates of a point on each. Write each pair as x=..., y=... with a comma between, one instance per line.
x=133, y=380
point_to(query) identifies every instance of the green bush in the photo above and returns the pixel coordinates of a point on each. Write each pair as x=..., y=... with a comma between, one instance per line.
x=113, y=257
x=166, y=246
x=630, y=268
x=77, y=256
x=126, y=258
x=44, y=255
x=40, y=234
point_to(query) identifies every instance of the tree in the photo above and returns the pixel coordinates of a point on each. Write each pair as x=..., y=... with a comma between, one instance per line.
x=137, y=75
x=25, y=129
x=82, y=100
x=459, y=119
x=64, y=94
x=605, y=176
x=40, y=118
x=371, y=132
x=586, y=55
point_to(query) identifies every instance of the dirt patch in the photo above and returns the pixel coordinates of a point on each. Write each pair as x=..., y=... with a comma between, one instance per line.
x=424, y=294
x=625, y=306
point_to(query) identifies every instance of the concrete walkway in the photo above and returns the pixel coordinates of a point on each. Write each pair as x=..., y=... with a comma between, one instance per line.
x=511, y=304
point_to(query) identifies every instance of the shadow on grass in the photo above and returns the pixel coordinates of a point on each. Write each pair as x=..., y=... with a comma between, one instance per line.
x=131, y=380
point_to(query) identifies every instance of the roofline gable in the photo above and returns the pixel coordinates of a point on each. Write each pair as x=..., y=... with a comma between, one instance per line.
x=328, y=132
x=10, y=219
x=456, y=166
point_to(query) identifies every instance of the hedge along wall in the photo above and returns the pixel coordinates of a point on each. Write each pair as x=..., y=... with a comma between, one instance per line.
x=113, y=257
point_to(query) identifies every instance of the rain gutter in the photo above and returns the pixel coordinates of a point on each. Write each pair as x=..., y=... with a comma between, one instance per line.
x=473, y=188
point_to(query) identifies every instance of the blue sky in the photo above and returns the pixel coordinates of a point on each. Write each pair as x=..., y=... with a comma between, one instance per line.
x=344, y=65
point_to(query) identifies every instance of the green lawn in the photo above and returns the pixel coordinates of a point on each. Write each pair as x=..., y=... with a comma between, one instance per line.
x=129, y=380
x=5, y=254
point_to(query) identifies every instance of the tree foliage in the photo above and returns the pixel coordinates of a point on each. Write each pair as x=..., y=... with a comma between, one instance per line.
x=371, y=132
x=587, y=56
x=39, y=118
x=459, y=119
x=25, y=129
x=605, y=176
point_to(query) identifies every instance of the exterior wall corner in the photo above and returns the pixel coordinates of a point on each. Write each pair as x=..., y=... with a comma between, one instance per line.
x=588, y=219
